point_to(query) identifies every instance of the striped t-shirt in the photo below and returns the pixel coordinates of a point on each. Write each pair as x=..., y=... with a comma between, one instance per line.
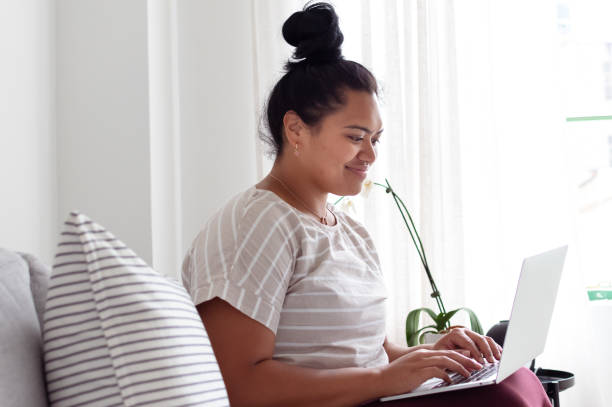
x=319, y=288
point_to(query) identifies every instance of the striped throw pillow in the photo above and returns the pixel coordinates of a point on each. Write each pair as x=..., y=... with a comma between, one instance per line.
x=117, y=333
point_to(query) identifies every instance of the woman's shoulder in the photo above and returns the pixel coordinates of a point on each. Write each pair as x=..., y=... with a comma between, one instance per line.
x=247, y=218
x=252, y=208
x=261, y=205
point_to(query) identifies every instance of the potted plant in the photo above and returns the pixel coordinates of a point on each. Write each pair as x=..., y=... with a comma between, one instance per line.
x=440, y=322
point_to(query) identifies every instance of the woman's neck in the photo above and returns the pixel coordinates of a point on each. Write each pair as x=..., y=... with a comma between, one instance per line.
x=297, y=189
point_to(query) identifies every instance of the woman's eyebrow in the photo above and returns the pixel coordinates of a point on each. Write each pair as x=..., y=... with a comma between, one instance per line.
x=356, y=127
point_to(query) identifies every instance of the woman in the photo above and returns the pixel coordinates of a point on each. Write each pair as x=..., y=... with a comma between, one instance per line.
x=289, y=290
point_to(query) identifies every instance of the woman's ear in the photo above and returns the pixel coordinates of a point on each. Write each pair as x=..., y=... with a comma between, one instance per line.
x=294, y=128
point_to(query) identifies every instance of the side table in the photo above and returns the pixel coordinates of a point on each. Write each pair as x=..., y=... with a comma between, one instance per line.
x=554, y=382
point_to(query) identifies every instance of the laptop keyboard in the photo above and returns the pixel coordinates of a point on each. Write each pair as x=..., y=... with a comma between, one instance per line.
x=487, y=370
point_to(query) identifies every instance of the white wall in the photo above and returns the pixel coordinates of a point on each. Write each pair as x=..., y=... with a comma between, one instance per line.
x=28, y=197
x=202, y=117
x=103, y=116
x=217, y=104
x=140, y=114
x=156, y=117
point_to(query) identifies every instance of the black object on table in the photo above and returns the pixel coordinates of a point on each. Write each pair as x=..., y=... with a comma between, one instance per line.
x=553, y=381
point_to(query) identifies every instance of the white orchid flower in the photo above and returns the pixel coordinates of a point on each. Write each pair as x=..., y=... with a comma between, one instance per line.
x=347, y=205
x=366, y=188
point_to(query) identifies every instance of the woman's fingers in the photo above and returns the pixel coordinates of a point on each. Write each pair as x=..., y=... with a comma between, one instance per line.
x=460, y=339
x=495, y=348
x=409, y=371
x=466, y=361
x=451, y=360
x=477, y=345
x=483, y=345
x=448, y=363
x=430, y=372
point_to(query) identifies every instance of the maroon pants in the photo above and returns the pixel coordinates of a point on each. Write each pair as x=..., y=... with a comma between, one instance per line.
x=522, y=389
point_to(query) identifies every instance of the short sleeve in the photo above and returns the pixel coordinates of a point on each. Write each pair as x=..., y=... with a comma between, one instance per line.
x=245, y=256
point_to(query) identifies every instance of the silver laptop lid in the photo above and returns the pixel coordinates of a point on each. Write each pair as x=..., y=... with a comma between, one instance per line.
x=532, y=310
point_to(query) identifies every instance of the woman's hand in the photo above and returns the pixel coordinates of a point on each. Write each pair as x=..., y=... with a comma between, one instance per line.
x=408, y=372
x=479, y=347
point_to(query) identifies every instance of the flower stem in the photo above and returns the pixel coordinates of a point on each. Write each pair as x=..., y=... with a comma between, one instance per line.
x=419, y=247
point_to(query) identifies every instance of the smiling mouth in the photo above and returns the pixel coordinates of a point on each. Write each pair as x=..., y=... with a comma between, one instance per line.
x=358, y=171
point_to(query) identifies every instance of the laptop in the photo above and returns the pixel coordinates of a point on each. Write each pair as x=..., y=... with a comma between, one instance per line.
x=532, y=310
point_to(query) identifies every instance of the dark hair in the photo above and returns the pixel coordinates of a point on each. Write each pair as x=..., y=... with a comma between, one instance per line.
x=315, y=80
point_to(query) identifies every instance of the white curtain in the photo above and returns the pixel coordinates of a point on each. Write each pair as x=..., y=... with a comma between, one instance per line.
x=518, y=196
x=475, y=145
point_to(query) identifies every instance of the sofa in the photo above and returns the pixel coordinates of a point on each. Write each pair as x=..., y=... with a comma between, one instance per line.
x=100, y=328
x=23, y=288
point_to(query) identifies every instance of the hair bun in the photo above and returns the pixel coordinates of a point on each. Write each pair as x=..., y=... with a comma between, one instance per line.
x=315, y=34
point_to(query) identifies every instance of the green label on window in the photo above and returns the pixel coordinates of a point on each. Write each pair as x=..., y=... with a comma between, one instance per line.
x=596, y=295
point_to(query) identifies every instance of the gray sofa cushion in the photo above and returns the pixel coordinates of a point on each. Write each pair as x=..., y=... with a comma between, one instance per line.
x=21, y=362
x=39, y=283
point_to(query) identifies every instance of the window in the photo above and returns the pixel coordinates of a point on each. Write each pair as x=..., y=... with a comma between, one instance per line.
x=586, y=55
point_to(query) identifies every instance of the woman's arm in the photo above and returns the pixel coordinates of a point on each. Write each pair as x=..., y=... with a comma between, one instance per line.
x=244, y=350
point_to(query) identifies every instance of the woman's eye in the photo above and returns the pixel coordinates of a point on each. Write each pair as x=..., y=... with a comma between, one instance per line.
x=375, y=141
x=355, y=138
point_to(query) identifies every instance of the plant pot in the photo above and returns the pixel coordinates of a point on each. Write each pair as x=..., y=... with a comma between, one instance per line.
x=431, y=338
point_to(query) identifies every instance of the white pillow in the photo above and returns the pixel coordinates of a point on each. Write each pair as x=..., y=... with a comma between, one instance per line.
x=118, y=333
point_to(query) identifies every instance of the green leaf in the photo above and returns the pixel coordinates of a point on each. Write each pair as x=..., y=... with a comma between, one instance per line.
x=415, y=337
x=414, y=334
x=474, y=322
x=412, y=324
x=444, y=318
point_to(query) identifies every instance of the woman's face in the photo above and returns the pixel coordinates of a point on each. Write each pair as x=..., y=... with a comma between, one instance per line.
x=342, y=147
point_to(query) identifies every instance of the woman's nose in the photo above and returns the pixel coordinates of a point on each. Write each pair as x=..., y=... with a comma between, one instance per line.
x=368, y=152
